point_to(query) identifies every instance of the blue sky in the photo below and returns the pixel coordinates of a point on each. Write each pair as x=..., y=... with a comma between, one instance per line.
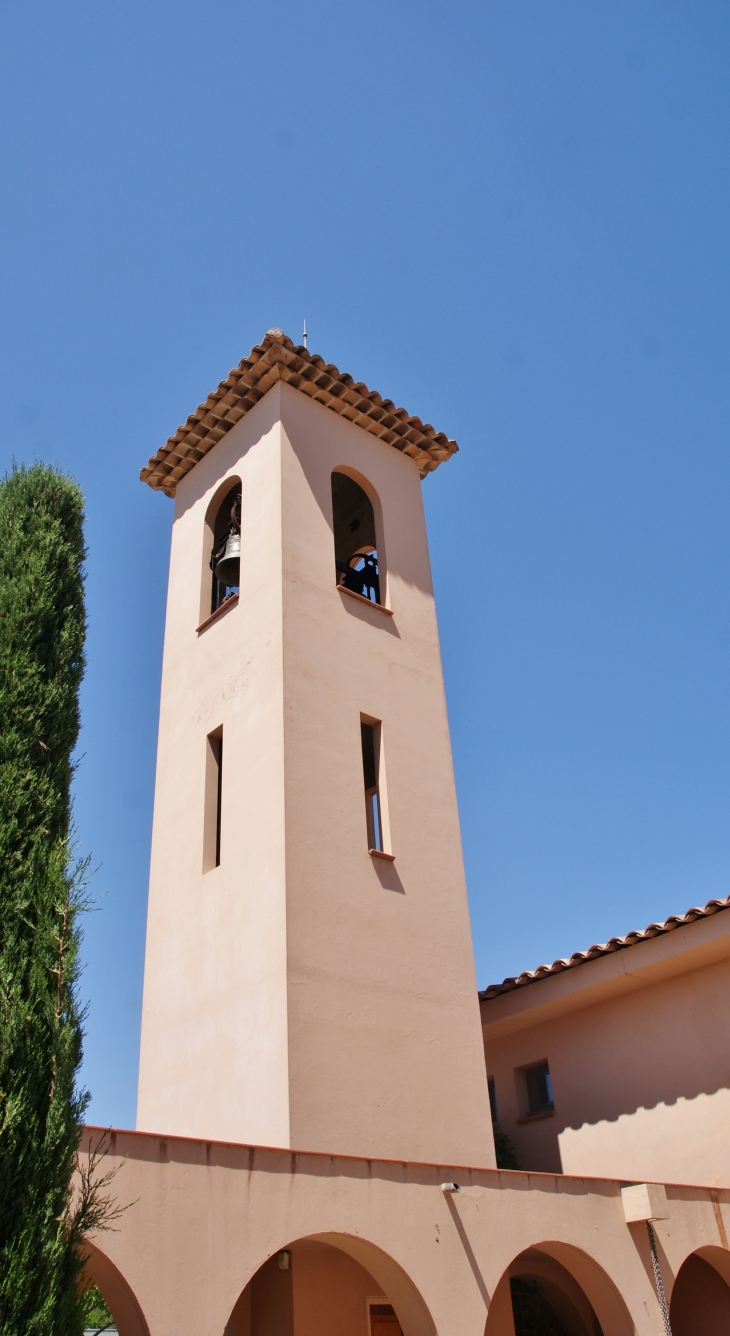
x=510, y=217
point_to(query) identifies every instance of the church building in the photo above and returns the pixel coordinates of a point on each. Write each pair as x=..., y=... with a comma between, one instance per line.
x=314, y=1151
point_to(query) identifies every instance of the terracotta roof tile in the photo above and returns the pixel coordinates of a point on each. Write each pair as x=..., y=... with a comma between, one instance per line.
x=613, y=944
x=274, y=359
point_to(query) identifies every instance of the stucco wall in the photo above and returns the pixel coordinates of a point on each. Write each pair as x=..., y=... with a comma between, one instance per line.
x=303, y=993
x=206, y=1217
x=641, y=1081
x=384, y=1044
x=214, y=1051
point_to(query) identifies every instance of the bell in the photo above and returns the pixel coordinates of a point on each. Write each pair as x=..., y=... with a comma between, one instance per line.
x=228, y=569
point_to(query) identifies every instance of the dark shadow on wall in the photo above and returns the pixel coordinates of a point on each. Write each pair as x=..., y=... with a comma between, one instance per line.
x=700, y=1300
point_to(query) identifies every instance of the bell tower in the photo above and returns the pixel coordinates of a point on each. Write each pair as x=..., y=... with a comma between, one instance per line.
x=309, y=979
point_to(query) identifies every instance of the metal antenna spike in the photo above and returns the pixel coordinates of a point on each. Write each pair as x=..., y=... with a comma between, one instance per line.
x=304, y=335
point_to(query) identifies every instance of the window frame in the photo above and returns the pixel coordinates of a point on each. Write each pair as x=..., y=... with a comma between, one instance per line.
x=525, y=1078
x=376, y=795
x=213, y=800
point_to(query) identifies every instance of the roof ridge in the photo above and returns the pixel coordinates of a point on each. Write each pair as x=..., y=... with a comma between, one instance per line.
x=604, y=949
x=277, y=358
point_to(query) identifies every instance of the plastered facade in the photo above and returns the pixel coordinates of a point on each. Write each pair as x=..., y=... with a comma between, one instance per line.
x=211, y=1215
x=638, y=1045
x=304, y=992
x=312, y=1076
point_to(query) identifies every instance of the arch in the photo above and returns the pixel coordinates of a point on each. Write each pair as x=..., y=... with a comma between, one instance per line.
x=561, y=1287
x=358, y=535
x=332, y=1282
x=218, y=523
x=117, y=1292
x=700, y=1302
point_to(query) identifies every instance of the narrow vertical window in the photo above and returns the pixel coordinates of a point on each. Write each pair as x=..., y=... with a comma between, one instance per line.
x=493, y=1101
x=213, y=800
x=372, y=797
x=374, y=781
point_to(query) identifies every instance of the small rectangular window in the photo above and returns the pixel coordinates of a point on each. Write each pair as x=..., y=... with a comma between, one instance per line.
x=213, y=800
x=539, y=1089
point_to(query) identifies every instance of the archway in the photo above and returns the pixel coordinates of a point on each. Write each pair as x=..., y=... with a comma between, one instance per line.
x=221, y=548
x=126, y=1312
x=330, y=1285
x=555, y=1289
x=358, y=561
x=700, y=1304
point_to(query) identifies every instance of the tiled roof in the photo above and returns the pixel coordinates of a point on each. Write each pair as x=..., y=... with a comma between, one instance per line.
x=614, y=944
x=274, y=359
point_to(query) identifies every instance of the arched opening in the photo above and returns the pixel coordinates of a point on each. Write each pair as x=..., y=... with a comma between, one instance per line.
x=221, y=576
x=700, y=1304
x=108, y=1296
x=330, y=1285
x=357, y=566
x=556, y=1290
x=98, y=1317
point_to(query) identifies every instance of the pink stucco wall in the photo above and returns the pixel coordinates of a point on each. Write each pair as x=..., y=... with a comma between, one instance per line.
x=206, y=1217
x=638, y=1045
x=304, y=992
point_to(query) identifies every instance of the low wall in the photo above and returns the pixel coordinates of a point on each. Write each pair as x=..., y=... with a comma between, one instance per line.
x=203, y=1217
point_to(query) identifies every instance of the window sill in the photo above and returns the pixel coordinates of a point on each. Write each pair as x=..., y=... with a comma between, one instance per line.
x=378, y=853
x=362, y=599
x=229, y=603
x=536, y=1117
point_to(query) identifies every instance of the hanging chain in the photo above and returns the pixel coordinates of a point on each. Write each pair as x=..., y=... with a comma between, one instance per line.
x=658, y=1278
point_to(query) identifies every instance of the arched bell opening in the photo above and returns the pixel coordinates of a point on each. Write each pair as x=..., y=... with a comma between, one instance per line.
x=110, y=1304
x=700, y=1303
x=222, y=548
x=333, y=1283
x=358, y=561
x=556, y=1290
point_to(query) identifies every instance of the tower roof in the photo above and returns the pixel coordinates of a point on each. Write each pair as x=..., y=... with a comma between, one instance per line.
x=276, y=358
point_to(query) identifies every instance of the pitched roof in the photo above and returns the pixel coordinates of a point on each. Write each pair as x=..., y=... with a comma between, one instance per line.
x=613, y=944
x=274, y=359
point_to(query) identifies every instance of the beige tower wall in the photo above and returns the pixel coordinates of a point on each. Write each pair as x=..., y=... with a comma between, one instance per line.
x=304, y=993
x=384, y=1044
x=214, y=1052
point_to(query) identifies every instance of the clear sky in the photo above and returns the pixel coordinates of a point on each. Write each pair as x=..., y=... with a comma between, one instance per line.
x=512, y=218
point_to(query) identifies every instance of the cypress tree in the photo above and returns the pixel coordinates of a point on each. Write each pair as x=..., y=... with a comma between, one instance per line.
x=42, y=629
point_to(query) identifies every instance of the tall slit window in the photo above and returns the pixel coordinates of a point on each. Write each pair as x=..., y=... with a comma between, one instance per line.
x=225, y=558
x=356, y=555
x=213, y=800
x=370, y=734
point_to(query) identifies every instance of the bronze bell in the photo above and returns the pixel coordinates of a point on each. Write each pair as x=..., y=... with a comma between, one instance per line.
x=228, y=568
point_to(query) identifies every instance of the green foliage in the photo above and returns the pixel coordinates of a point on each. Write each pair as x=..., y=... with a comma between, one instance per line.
x=42, y=629
x=97, y=1316
x=506, y=1153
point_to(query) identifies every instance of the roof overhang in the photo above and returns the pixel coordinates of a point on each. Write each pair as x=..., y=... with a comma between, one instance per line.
x=277, y=359
x=691, y=944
